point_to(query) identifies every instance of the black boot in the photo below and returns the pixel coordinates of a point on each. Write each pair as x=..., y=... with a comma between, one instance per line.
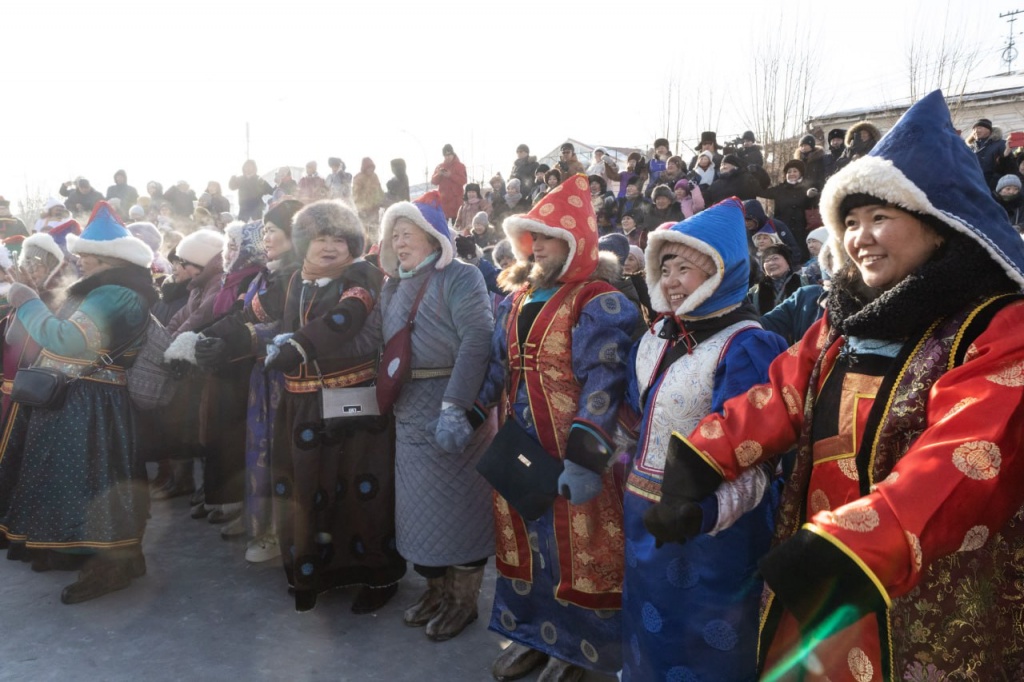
x=98, y=577
x=49, y=560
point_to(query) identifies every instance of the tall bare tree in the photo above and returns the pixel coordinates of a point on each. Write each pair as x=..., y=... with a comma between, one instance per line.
x=945, y=61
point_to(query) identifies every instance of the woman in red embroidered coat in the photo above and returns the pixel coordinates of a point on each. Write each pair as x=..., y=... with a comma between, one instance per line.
x=560, y=346
x=897, y=552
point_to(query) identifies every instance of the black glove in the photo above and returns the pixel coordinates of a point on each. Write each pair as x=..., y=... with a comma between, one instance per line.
x=673, y=522
x=211, y=352
x=179, y=369
x=285, y=361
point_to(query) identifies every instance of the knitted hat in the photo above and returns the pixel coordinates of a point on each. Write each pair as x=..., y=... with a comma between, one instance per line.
x=718, y=235
x=327, y=218
x=616, y=244
x=563, y=213
x=748, y=136
x=683, y=183
x=523, y=148
x=636, y=252
x=732, y=160
x=983, y=123
x=136, y=212
x=200, y=247
x=282, y=213
x=481, y=218
x=808, y=140
x=426, y=213
x=901, y=170
x=1007, y=181
x=148, y=233
x=106, y=235
x=819, y=235
x=243, y=246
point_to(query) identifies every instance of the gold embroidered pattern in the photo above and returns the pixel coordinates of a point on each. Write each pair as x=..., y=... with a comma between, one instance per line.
x=915, y=550
x=1012, y=375
x=860, y=665
x=792, y=400
x=979, y=460
x=966, y=402
x=748, y=452
x=858, y=520
x=759, y=396
x=711, y=430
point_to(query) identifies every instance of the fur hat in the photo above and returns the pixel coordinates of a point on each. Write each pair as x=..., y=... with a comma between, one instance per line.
x=709, y=137
x=471, y=187
x=426, y=213
x=602, y=183
x=200, y=247
x=661, y=142
x=795, y=163
x=565, y=213
x=106, y=235
x=327, y=217
x=282, y=213
x=615, y=243
x=748, y=136
x=983, y=123
x=836, y=134
x=715, y=236
x=663, y=191
x=732, y=160
x=148, y=233
x=41, y=245
x=901, y=170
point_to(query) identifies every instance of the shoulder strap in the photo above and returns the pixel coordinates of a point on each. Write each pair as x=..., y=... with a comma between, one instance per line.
x=419, y=297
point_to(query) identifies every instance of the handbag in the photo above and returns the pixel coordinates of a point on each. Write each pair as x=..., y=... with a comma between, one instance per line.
x=521, y=470
x=43, y=387
x=148, y=377
x=395, y=366
x=346, y=404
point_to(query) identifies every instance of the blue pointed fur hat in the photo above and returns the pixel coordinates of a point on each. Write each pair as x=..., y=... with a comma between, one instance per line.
x=106, y=235
x=923, y=166
x=720, y=234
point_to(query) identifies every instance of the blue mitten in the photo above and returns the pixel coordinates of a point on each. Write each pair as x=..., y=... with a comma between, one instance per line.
x=578, y=484
x=453, y=430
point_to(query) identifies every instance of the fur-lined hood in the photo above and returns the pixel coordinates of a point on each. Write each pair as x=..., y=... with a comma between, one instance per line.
x=518, y=276
x=854, y=131
x=815, y=154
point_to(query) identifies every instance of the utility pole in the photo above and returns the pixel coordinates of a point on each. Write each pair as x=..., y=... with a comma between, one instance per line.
x=1010, y=51
x=247, y=155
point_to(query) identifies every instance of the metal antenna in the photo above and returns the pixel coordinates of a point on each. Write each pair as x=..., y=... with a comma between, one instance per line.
x=1010, y=51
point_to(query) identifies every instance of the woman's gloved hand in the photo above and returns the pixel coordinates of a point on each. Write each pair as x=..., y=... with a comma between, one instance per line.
x=578, y=484
x=453, y=430
x=19, y=294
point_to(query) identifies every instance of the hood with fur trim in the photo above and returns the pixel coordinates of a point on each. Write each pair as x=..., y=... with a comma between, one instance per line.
x=718, y=232
x=243, y=246
x=853, y=134
x=900, y=169
x=565, y=213
x=518, y=275
x=994, y=136
x=425, y=213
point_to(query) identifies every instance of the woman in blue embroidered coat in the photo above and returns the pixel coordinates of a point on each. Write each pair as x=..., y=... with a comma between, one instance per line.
x=82, y=488
x=690, y=611
x=334, y=489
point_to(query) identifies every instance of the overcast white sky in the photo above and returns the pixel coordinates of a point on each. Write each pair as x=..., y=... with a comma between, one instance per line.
x=164, y=89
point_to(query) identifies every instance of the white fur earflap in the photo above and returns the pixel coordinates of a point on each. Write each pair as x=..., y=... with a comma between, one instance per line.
x=518, y=229
x=183, y=347
x=653, y=265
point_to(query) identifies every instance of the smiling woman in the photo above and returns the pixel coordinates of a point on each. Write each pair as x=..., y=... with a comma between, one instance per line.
x=905, y=403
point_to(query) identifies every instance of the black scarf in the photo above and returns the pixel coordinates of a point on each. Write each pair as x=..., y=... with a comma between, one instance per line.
x=134, y=277
x=960, y=272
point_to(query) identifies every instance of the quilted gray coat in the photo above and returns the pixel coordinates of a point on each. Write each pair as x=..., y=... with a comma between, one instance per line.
x=443, y=506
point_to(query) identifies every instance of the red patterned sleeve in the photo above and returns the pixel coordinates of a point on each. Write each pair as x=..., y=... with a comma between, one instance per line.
x=767, y=419
x=960, y=481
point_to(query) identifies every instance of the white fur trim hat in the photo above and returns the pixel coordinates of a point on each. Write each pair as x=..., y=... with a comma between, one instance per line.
x=105, y=235
x=200, y=247
x=426, y=214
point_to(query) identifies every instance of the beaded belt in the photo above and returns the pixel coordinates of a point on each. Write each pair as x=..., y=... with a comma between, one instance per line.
x=432, y=373
x=351, y=377
x=73, y=368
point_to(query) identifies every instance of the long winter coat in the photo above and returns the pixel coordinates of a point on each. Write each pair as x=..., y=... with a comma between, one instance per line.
x=443, y=506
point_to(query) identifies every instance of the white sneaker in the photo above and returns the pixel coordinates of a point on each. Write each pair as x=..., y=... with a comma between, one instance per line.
x=263, y=548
